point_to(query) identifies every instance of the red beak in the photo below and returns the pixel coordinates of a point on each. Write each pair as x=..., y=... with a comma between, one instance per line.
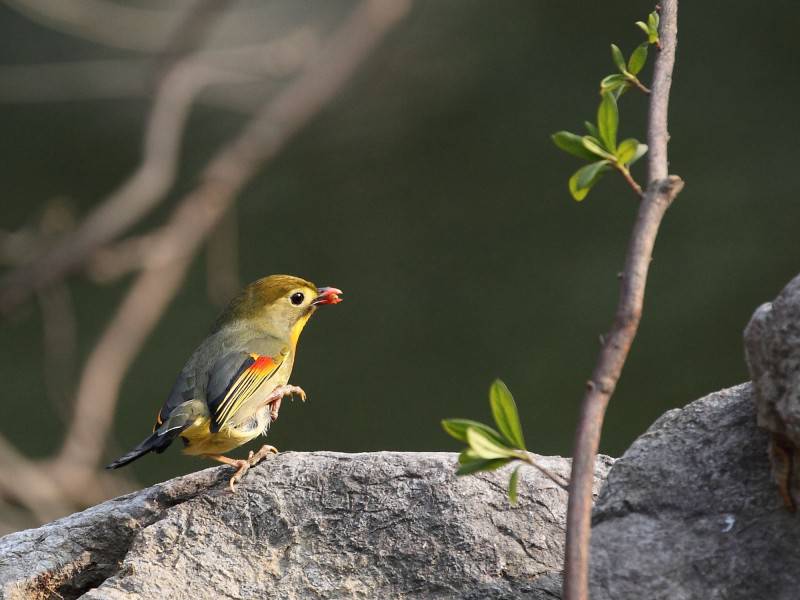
x=327, y=295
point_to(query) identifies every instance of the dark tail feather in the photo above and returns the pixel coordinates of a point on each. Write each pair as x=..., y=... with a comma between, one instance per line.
x=154, y=443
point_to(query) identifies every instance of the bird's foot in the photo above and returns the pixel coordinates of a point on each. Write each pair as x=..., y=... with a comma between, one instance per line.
x=275, y=398
x=256, y=457
x=243, y=467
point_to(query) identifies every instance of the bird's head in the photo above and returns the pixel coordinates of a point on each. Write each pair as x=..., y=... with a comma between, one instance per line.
x=279, y=305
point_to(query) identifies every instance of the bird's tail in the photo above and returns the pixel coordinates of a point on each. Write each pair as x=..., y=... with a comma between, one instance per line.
x=154, y=443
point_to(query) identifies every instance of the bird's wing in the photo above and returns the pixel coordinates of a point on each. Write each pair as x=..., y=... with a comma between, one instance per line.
x=182, y=391
x=234, y=379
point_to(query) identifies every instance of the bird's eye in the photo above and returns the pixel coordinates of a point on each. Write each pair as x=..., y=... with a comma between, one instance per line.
x=297, y=298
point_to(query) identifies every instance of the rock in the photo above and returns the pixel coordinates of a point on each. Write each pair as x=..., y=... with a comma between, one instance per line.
x=306, y=525
x=772, y=347
x=689, y=512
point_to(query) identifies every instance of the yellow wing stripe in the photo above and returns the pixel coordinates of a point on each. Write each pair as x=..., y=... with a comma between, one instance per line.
x=245, y=386
x=233, y=400
x=236, y=395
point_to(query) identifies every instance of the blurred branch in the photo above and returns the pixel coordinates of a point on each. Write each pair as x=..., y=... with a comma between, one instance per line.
x=659, y=195
x=222, y=260
x=137, y=195
x=148, y=184
x=190, y=34
x=23, y=482
x=114, y=24
x=173, y=246
x=142, y=191
x=259, y=65
x=53, y=487
x=60, y=337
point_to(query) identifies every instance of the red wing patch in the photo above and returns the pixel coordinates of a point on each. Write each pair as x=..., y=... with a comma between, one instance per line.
x=254, y=372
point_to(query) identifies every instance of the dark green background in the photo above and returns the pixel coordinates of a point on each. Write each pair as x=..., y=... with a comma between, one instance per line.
x=430, y=192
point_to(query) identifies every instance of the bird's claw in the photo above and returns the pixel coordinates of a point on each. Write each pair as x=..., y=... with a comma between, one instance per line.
x=253, y=458
x=244, y=466
x=274, y=399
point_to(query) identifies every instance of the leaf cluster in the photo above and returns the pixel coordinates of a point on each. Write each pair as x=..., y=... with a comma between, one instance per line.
x=651, y=28
x=619, y=83
x=599, y=146
x=488, y=448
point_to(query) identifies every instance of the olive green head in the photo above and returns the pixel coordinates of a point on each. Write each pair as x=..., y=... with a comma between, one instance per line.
x=279, y=305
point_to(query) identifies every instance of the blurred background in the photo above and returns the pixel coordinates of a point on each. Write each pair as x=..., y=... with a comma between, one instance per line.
x=399, y=151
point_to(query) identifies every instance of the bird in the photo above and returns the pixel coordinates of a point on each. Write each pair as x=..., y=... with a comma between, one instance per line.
x=230, y=390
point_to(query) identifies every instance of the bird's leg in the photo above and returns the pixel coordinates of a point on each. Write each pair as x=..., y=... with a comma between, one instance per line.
x=274, y=399
x=241, y=466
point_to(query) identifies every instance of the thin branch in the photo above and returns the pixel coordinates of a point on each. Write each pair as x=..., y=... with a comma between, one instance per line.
x=661, y=191
x=626, y=174
x=554, y=477
x=634, y=81
x=657, y=130
x=199, y=212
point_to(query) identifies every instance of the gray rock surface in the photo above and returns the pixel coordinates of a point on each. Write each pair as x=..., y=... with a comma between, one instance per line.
x=690, y=512
x=306, y=525
x=772, y=346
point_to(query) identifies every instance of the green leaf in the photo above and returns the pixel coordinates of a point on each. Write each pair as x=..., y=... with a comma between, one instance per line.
x=504, y=411
x=652, y=26
x=589, y=174
x=638, y=58
x=627, y=150
x=590, y=127
x=487, y=448
x=619, y=59
x=457, y=428
x=481, y=464
x=643, y=27
x=608, y=120
x=571, y=143
x=512, y=485
x=584, y=178
x=467, y=455
x=630, y=150
x=613, y=82
x=653, y=20
x=641, y=149
x=595, y=146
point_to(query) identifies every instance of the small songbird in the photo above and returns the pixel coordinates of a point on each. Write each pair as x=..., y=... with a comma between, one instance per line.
x=230, y=389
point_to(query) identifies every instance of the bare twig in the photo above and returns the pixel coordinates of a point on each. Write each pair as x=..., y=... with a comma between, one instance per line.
x=554, y=477
x=626, y=174
x=661, y=191
x=198, y=213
